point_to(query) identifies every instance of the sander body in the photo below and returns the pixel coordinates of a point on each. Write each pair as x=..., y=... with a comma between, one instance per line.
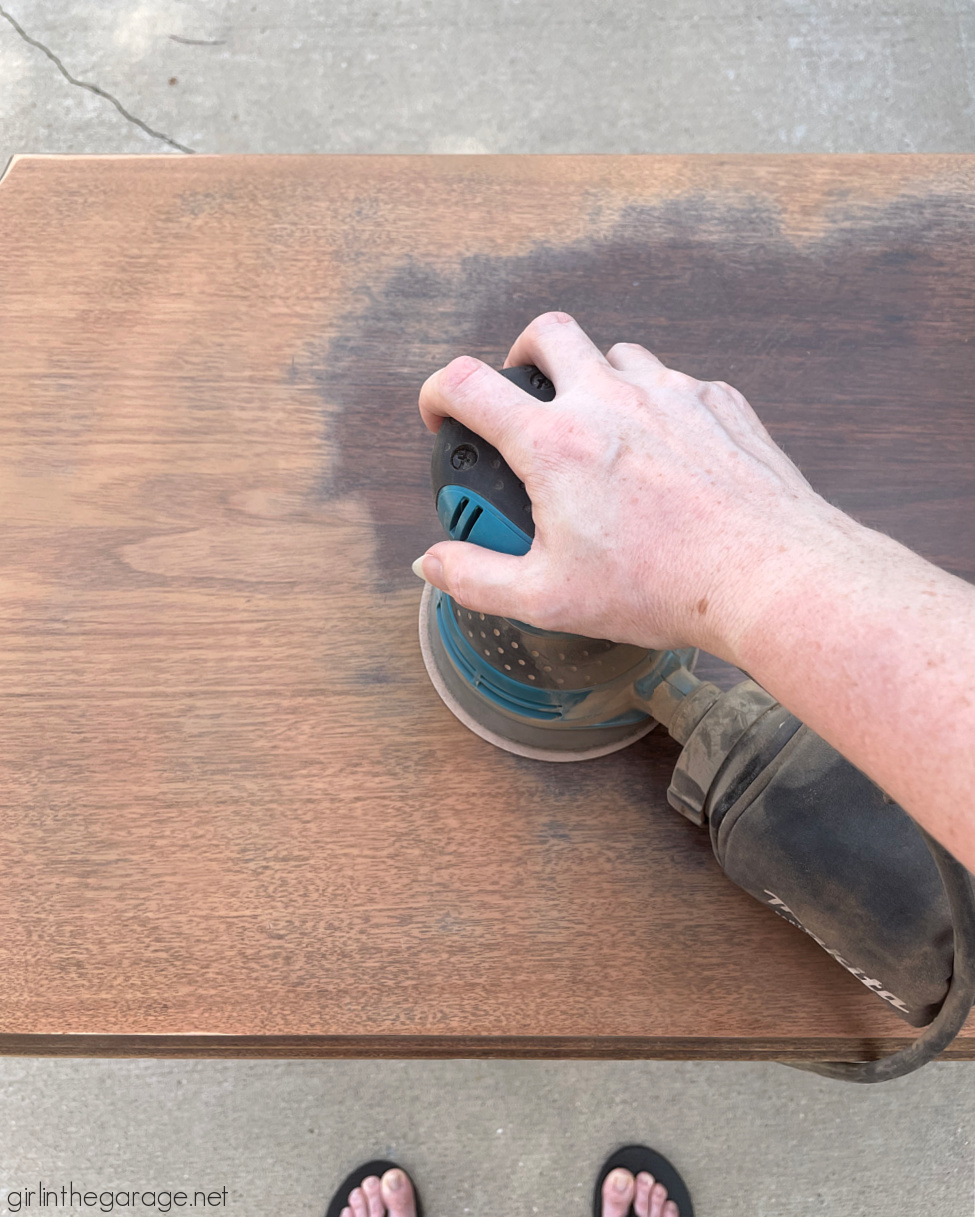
x=791, y=821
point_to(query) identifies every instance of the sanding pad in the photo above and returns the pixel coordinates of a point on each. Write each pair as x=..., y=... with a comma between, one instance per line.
x=538, y=743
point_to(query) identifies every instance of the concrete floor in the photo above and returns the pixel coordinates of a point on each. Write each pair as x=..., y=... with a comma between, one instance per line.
x=491, y=76
x=493, y=1139
x=498, y=1138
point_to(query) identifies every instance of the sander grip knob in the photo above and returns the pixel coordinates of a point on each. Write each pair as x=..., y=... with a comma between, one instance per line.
x=478, y=496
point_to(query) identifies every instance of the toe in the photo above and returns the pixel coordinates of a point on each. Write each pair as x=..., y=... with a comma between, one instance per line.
x=670, y=1209
x=658, y=1196
x=618, y=1189
x=374, y=1199
x=357, y=1203
x=346, y=1212
x=641, y=1201
x=398, y=1194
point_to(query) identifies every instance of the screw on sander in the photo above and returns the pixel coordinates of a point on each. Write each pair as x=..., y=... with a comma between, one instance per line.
x=463, y=461
x=464, y=456
x=791, y=821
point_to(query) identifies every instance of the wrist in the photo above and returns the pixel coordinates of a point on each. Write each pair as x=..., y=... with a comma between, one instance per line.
x=786, y=587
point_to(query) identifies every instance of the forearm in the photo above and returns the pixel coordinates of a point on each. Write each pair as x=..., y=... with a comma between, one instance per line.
x=873, y=648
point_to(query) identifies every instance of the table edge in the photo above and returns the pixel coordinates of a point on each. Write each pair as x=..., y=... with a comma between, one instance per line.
x=441, y=1047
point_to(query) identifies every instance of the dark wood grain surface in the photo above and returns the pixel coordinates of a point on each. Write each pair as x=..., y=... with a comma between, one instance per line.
x=236, y=818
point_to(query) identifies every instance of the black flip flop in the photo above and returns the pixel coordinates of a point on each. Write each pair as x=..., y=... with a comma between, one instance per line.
x=636, y=1158
x=377, y=1167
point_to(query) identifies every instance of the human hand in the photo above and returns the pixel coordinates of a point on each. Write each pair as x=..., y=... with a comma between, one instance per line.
x=663, y=509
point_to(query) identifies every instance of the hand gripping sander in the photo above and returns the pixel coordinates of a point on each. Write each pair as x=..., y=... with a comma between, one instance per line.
x=790, y=821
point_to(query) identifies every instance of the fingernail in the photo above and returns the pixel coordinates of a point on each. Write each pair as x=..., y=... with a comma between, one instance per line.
x=620, y=1181
x=433, y=572
x=394, y=1181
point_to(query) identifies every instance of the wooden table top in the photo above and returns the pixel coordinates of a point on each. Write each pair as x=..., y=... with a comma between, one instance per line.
x=237, y=820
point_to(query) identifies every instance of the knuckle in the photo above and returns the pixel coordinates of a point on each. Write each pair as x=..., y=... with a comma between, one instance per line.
x=720, y=395
x=537, y=607
x=625, y=396
x=461, y=595
x=630, y=398
x=527, y=429
x=566, y=441
x=456, y=375
x=720, y=388
x=632, y=348
x=456, y=584
x=670, y=378
x=554, y=317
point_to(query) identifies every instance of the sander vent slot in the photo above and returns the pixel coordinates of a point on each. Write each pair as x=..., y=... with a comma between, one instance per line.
x=458, y=512
x=469, y=523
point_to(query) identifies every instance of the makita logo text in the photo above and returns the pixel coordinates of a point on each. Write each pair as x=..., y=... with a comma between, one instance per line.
x=875, y=986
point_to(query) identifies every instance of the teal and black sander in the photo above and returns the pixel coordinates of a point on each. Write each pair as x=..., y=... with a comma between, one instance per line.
x=791, y=821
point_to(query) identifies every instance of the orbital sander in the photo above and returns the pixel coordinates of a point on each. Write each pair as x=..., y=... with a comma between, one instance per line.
x=790, y=820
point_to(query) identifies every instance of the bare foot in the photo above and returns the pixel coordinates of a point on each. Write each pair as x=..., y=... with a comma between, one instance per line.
x=393, y=1194
x=649, y=1198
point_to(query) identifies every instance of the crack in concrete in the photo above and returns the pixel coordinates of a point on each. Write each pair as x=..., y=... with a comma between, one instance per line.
x=83, y=84
x=199, y=41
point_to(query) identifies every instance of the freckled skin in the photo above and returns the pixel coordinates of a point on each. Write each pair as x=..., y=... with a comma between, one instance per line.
x=632, y=472
x=667, y=516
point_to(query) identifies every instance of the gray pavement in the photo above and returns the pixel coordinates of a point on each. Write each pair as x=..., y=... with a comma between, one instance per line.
x=490, y=1138
x=492, y=76
x=493, y=1139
